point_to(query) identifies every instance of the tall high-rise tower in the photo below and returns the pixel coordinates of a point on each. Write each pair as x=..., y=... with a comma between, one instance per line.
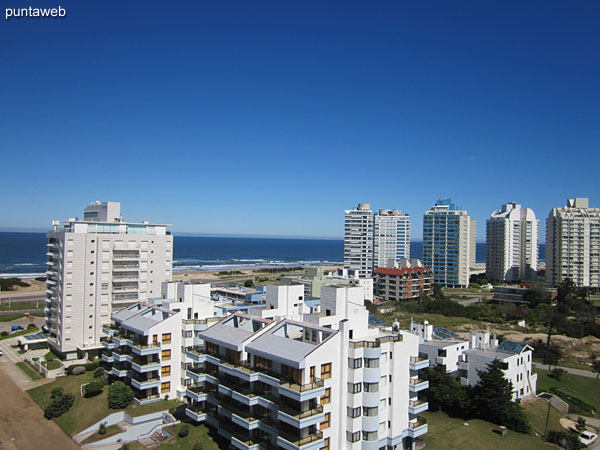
x=358, y=240
x=391, y=240
x=573, y=244
x=97, y=266
x=512, y=244
x=449, y=243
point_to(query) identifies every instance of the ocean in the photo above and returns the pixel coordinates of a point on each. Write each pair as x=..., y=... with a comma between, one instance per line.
x=24, y=254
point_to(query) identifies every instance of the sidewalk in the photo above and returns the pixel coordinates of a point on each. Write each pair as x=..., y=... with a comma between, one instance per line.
x=580, y=372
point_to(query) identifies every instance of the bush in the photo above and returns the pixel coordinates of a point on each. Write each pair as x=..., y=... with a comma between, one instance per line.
x=4, y=333
x=99, y=372
x=248, y=283
x=557, y=374
x=102, y=428
x=119, y=395
x=183, y=431
x=31, y=326
x=79, y=370
x=555, y=436
x=56, y=391
x=59, y=405
x=93, y=388
x=197, y=446
x=92, y=366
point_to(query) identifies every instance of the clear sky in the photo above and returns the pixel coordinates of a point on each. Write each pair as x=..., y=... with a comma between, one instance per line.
x=271, y=118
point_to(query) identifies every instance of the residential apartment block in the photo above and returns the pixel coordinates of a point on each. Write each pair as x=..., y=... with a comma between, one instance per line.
x=97, y=266
x=573, y=244
x=391, y=241
x=402, y=284
x=314, y=279
x=512, y=244
x=449, y=243
x=373, y=240
x=463, y=359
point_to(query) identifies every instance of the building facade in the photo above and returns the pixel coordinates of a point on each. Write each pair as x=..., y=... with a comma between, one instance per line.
x=402, y=284
x=320, y=380
x=573, y=244
x=449, y=236
x=391, y=240
x=358, y=239
x=512, y=244
x=97, y=266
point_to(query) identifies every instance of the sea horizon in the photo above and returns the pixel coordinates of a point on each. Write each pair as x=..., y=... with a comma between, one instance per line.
x=23, y=253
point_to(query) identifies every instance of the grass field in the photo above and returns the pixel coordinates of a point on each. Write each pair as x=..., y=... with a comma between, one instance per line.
x=111, y=430
x=447, y=433
x=584, y=388
x=87, y=411
x=29, y=371
x=197, y=433
x=536, y=412
x=22, y=306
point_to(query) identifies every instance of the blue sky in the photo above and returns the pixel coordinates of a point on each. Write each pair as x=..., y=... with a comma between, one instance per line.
x=271, y=118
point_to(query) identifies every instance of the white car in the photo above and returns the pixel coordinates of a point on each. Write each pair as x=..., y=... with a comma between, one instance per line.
x=587, y=437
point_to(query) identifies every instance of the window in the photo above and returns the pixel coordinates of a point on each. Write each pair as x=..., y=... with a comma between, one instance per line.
x=327, y=397
x=166, y=338
x=354, y=388
x=325, y=444
x=353, y=412
x=370, y=411
x=371, y=387
x=354, y=363
x=371, y=363
x=353, y=437
x=369, y=435
x=165, y=387
x=165, y=355
x=325, y=423
x=165, y=371
x=325, y=371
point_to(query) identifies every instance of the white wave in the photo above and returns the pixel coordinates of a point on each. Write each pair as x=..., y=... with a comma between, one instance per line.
x=22, y=275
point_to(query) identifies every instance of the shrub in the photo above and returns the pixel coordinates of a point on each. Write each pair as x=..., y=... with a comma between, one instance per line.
x=56, y=391
x=59, y=405
x=99, y=372
x=93, y=388
x=197, y=446
x=248, y=283
x=92, y=366
x=557, y=374
x=183, y=431
x=31, y=326
x=79, y=370
x=119, y=395
x=555, y=436
x=102, y=428
x=4, y=333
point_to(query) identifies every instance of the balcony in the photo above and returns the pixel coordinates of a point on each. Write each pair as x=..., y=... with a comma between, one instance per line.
x=195, y=413
x=419, y=362
x=196, y=393
x=417, y=385
x=146, y=383
x=291, y=442
x=107, y=358
x=119, y=372
x=240, y=416
x=417, y=428
x=109, y=345
x=120, y=340
x=145, y=349
x=119, y=356
x=145, y=366
x=417, y=406
x=301, y=419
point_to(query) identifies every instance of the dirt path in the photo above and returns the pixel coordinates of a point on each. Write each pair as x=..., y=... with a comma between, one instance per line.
x=22, y=423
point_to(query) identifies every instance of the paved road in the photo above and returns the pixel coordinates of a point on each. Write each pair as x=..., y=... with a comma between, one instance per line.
x=580, y=372
x=22, y=423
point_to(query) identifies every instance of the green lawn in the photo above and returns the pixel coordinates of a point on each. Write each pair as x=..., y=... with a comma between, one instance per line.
x=451, y=434
x=29, y=371
x=111, y=430
x=584, y=388
x=198, y=433
x=537, y=411
x=87, y=411
x=22, y=306
x=51, y=365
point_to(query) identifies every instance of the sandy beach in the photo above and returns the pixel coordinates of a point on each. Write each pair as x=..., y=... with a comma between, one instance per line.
x=226, y=274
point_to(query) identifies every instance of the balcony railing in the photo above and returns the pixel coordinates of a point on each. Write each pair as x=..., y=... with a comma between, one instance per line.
x=303, y=414
x=298, y=441
x=419, y=423
x=420, y=358
x=318, y=383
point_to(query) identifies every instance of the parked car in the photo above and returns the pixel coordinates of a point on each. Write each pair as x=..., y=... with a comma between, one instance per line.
x=0, y=352
x=587, y=437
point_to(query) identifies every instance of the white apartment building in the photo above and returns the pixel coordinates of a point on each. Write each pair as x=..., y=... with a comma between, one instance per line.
x=512, y=244
x=463, y=358
x=449, y=237
x=358, y=239
x=573, y=244
x=97, y=266
x=391, y=239
x=321, y=380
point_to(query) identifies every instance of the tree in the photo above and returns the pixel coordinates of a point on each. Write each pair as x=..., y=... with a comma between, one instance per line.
x=248, y=283
x=552, y=354
x=596, y=367
x=438, y=292
x=572, y=441
x=59, y=404
x=536, y=295
x=492, y=399
x=580, y=425
x=445, y=393
x=93, y=388
x=119, y=395
x=183, y=431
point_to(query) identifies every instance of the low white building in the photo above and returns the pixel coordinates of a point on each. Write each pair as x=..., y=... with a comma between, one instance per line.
x=442, y=347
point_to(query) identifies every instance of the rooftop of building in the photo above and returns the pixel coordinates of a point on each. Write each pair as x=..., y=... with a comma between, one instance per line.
x=234, y=330
x=141, y=317
x=400, y=271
